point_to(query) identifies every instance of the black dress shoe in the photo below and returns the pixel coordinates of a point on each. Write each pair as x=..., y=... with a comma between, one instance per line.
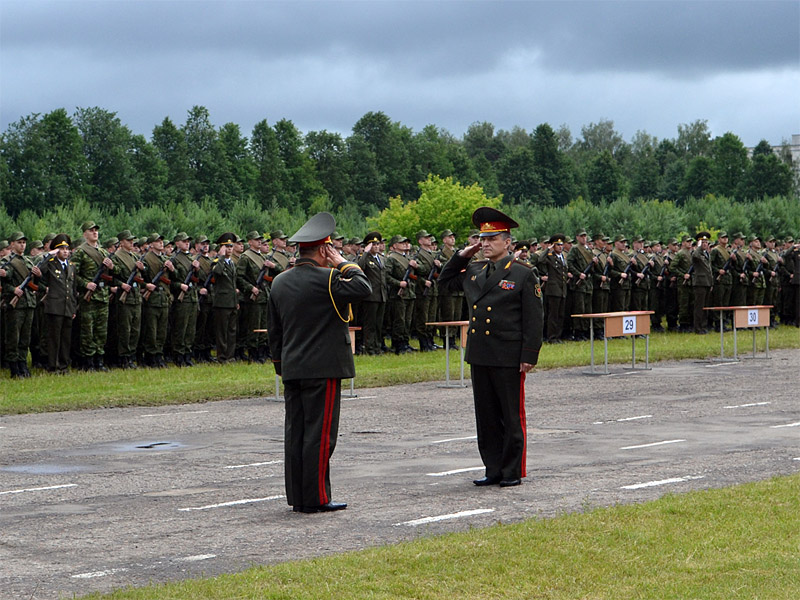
x=329, y=507
x=510, y=482
x=486, y=481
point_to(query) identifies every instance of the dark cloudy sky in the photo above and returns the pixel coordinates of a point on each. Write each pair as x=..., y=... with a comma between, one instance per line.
x=646, y=65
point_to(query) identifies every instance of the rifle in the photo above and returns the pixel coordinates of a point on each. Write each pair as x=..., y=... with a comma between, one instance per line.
x=644, y=272
x=159, y=278
x=586, y=272
x=758, y=271
x=133, y=277
x=430, y=277
x=28, y=281
x=726, y=267
x=689, y=272
x=663, y=270
x=101, y=274
x=263, y=275
x=625, y=272
x=406, y=277
x=190, y=278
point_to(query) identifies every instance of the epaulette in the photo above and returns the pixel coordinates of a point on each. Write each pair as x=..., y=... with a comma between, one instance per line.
x=524, y=264
x=549, y=253
x=52, y=259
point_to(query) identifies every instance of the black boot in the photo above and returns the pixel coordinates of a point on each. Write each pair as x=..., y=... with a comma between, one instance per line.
x=179, y=360
x=22, y=369
x=160, y=362
x=187, y=360
x=99, y=365
x=12, y=366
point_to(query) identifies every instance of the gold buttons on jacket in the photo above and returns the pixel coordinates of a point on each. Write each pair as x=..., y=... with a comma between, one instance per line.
x=473, y=318
x=488, y=320
x=474, y=307
x=473, y=331
x=489, y=308
x=487, y=332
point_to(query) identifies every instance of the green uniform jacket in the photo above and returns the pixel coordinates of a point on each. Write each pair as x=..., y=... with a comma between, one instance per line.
x=425, y=265
x=620, y=262
x=124, y=265
x=754, y=259
x=374, y=268
x=224, y=291
x=680, y=264
x=639, y=266
x=153, y=263
x=183, y=265
x=556, y=271
x=87, y=260
x=578, y=259
x=702, y=274
x=307, y=320
x=247, y=271
x=505, y=310
x=396, y=266
x=17, y=269
x=719, y=256
x=61, y=298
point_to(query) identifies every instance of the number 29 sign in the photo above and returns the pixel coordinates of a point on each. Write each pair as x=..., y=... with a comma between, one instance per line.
x=628, y=325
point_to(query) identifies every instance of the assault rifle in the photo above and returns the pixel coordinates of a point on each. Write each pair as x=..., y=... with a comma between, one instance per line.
x=664, y=268
x=431, y=276
x=406, y=277
x=644, y=272
x=263, y=275
x=626, y=271
x=159, y=278
x=727, y=266
x=689, y=272
x=189, y=280
x=28, y=281
x=132, y=278
x=101, y=274
x=586, y=272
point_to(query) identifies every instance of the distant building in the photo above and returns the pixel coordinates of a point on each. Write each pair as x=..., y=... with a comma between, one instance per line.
x=792, y=149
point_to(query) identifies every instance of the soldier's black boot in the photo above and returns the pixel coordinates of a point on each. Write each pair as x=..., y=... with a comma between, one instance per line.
x=12, y=366
x=179, y=360
x=22, y=367
x=99, y=365
x=159, y=361
x=187, y=360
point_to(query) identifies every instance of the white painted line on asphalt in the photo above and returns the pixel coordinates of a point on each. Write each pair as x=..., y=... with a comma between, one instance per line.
x=232, y=503
x=748, y=405
x=787, y=425
x=258, y=464
x=455, y=471
x=94, y=574
x=721, y=364
x=459, y=439
x=458, y=515
x=196, y=557
x=637, y=486
x=177, y=413
x=622, y=374
x=651, y=445
x=798, y=458
x=40, y=489
x=623, y=420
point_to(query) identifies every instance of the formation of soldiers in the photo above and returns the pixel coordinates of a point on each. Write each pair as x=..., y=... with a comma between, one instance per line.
x=133, y=301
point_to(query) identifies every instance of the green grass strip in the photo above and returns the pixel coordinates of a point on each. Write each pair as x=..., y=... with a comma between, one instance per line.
x=741, y=542
x=152, y=387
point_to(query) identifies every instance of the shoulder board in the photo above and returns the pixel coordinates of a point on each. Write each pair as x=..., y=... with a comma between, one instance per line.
x=52, y=259
x=215, y=260
x=549, y=254
x=524, y=264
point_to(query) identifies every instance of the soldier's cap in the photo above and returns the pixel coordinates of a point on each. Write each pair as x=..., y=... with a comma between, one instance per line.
x=372, y=237
x=238, y=239
x=770, y=238
x=752, y=238
x=141, y=241
x=647, y=243
x=112, y=241
x=421, y=234
x=703, y=235
x=226, y=239
x=201, y=239
x=533, y=241
x=514, y=240
x=254, y=235
x=687, y=238
x=354, y=241
x=154, y=237
x=738, y=235
x=474, y=233
x=523, y=245
x=672, y=240
x=558, y=238
x=3, y=244
x=62, y=239
x=89, y=225
x=316, y=231
x=16, y=236
x=446, y=232
x=125, y=234
x=581, y=232
x=336, y=236
x=568, y=240
x=34, y=245
x=597, y=236
x=620, y=238
x=656, y=243
x=638, y=238
x=491, y=221
x=181, y=236
x=48, y=238
x=789, y=240
x=278, y=235
x=722, y=234
x=397, y=239
x=213, y=247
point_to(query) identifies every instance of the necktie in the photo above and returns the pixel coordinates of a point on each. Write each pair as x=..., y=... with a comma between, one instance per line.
x=489, y=270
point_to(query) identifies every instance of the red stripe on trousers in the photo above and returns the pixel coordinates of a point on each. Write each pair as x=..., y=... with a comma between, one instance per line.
x=523, y=422
x=324, y=445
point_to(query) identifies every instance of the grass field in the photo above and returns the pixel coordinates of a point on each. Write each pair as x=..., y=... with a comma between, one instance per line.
x=735, y=543
x=147, y=387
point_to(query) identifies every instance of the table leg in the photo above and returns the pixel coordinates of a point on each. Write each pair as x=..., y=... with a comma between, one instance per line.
x=591, y=341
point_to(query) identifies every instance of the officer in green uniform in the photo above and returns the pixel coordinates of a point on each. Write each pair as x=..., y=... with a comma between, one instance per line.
x=250, y=273
x=183, y=287
x=581, y=262
x=90, y=259
x=679, y=268
x=373, y=306
x=128, y=268
x=157, y=298
x=280, y=253
x=556, y=275
x=19, y=304
x=401, y=277
x=60, y=303
x=224, y=298
x=309, y=341
x=425, y=302
x=503, y=343
x=621, y=266
x=702, y=281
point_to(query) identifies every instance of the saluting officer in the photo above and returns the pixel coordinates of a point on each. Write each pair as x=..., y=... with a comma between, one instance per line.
x=556, y=274
x=702, y=281
x=224, y=298
x=503, y=342
x=308, y=335
x=60, y=303
x=374, y=305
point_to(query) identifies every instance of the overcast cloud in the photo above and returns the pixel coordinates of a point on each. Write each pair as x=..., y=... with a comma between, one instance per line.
x=645, y=65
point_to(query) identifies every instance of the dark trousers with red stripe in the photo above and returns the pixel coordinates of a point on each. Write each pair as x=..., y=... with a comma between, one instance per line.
x=499, y=394
x=311, y=429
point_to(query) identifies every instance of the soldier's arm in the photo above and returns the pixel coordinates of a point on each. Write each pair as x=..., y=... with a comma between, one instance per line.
x=532, y=319
x=452, y=275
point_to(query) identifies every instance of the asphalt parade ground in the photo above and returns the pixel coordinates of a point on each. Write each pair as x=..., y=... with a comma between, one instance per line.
x=102, y=499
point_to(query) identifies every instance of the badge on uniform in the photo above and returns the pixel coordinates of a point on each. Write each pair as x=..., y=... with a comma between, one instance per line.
x=538, y=291
x=505, y=284
x=472, y=278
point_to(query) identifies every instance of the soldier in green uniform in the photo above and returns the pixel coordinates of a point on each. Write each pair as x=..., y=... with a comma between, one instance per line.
x=280, y=254
x=640, y=280
x=770, y=271
x=308, y=323
x=128, y=268
x=756, y=284
x=679, y=268
x=621, y=265
x=183, y=287
x=19, y=304
x=503, y=343
x=720, y=267
x=601, y=283
x=556, y=275
x=425, y=302
x=224, y=299
x=581, y=263
x=401, y=276
x=450, y=301
x=702, y=281
x=250, y=273
x=737, y=268
x=60, y=303
x=204, y=330
x=373, y=306
x=157, y=300
x=90, y=259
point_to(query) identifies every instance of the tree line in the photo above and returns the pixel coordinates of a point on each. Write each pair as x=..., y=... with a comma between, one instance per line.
x=91, y=162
